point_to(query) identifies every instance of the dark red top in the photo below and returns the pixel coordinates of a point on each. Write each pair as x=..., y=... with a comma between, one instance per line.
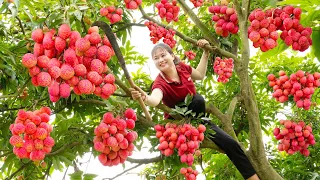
x=175, y=92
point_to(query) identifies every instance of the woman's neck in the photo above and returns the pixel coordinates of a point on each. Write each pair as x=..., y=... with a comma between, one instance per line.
x=172, y=73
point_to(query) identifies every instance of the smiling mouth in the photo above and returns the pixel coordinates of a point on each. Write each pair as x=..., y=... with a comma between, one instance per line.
x=162, y=64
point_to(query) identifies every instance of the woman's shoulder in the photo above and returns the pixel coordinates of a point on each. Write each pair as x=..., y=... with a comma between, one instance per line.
x=184, y=66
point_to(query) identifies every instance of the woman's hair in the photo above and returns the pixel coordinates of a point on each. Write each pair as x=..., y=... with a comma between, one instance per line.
x=167, y=48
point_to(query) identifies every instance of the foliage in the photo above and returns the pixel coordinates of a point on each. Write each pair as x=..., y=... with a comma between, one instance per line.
x=75, y=118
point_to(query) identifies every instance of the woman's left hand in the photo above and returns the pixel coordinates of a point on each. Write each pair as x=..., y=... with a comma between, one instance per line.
x=202, y=42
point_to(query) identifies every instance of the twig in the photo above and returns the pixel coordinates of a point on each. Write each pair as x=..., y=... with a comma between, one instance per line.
x=123, y=172
x=21, y=26
x=17, y=171
x=129, y=25
x=88, y=163
x=5, y=154
x=65, y=173
x=7, y=96
x=64, y=147
x=46, y=174
x=121, y=95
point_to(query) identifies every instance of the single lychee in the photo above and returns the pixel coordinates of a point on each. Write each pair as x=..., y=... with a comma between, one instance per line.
x=85, y=86
x=37, y=35
x=43, y=79
x=64, y=90
x=64, y=31
x=29, y=60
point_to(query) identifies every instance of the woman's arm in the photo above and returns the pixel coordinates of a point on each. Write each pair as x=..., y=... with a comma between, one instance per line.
x=151, y=100
x=200, y=72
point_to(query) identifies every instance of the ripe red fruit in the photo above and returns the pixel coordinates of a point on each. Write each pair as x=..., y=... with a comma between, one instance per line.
x=85, y=86
x=43, y=79
x=64, y=31
x=82, y=44
x=37, y=35
x=130, y=114
x=29, y=60
x=130, y=123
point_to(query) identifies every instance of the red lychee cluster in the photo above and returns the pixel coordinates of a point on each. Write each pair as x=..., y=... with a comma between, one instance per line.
x=197, y=3
x=158, y=32
x=294, y=137
x=132, y=4
x=65, y=61
x=190, y=54
x=293, y=33
x=168, y=10
x=31, y=134
x=114, y=138
x=262, y=30
x=224, y=68
x=226, y=20
x=112, y=13
x=189, y=173
x=185, y=138
x=300, y=85
x=264, y=25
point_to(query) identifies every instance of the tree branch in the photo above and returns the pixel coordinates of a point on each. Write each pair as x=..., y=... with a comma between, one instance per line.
x=17, y=171
x=64, y=147
x=21, y=26
x=5, y=154
x=129, y=25
x=226, y=120
x=127, y=170
x=188, y=39
x=7, y=96
x=121, y=95
x=232, y=106
x=207, y=34
x=246, y=4
x=108, y=31
x=146, y=161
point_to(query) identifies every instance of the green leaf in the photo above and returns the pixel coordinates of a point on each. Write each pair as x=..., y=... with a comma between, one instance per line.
x=89, y=176
x=316, y=44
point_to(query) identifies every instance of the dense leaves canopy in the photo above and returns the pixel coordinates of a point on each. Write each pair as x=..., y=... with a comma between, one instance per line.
x=75, y=118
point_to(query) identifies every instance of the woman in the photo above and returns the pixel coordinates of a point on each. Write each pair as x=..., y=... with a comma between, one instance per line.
x=174, y=83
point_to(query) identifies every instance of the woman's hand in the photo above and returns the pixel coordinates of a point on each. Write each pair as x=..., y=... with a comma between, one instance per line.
x=202, y=42
x=137, y=92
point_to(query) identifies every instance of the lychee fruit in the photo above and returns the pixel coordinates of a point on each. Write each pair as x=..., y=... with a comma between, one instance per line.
x=29, y=60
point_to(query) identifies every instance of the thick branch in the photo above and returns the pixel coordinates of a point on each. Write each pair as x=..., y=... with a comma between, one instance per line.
x=188, y=39
x=246, y=4
x=225, y=119
x=146, y=161
x=107, y=30
x=238, y=8
x=215, y=111
x=64, y=147
x=232, y=106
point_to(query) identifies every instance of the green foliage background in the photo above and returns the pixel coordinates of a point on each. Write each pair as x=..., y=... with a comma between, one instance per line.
x=77, y=116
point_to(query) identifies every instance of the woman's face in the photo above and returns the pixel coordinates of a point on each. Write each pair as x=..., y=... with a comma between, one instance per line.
x=163, y=60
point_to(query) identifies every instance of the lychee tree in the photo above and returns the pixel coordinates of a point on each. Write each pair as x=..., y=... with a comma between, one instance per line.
x=243, y=107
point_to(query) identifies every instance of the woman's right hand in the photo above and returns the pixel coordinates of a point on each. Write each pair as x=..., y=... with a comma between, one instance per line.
x=137, y=92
